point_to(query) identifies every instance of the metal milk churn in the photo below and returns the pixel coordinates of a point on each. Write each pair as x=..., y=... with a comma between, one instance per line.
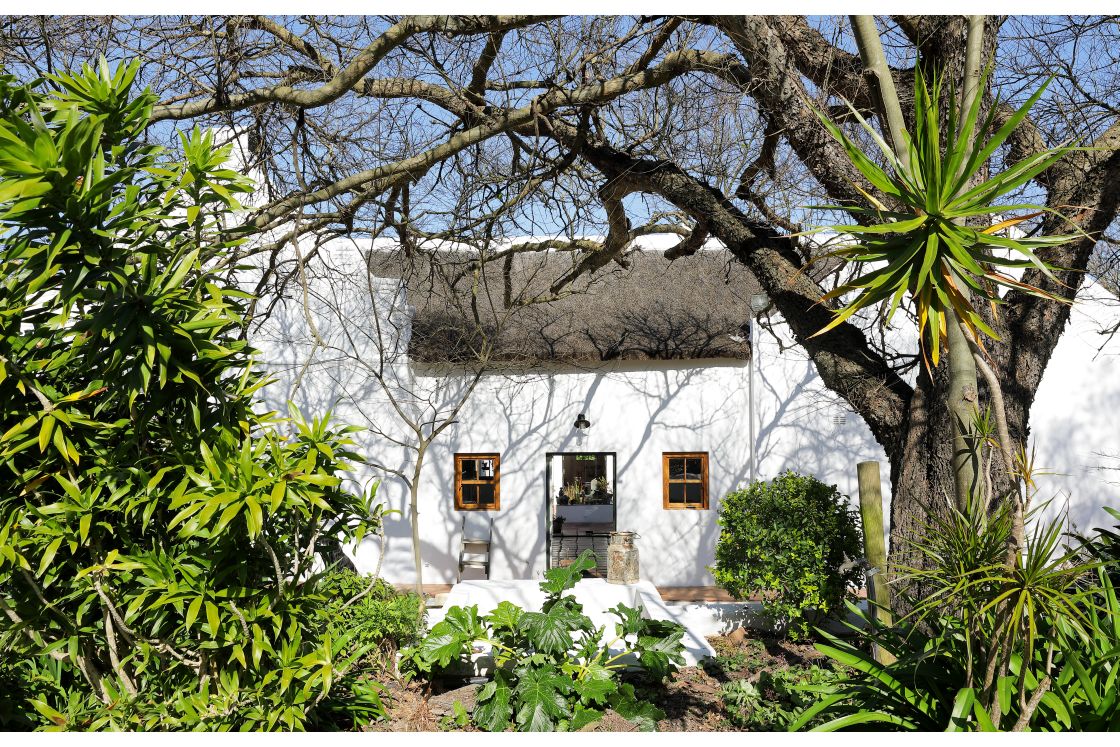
x=622, y=558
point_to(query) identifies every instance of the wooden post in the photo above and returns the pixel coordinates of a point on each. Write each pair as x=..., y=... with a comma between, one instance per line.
x=875, y=549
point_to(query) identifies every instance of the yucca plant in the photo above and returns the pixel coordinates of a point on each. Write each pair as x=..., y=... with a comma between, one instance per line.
x=989, y=647
x=936, y=229
x=920, y=243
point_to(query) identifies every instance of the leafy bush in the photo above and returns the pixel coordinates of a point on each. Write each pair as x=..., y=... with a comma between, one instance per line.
x=552, y=669
x=157, y=533
x=376, y=613
x=1104, y=546
x=777, y=699
x=787, y=540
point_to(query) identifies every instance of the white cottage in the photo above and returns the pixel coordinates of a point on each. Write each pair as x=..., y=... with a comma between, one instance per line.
x=634, y=403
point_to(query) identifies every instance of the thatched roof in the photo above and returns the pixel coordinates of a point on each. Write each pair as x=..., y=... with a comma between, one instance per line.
x=652, y=309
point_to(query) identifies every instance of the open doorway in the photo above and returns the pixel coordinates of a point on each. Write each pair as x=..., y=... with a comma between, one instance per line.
x=581, y=505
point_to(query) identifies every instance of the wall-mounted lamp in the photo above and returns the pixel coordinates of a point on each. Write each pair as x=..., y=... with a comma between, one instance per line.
x=582, y=426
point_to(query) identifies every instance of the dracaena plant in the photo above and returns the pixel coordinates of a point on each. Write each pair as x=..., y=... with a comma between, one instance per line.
x=157, y=532
x=918, y=239
x=553, y=670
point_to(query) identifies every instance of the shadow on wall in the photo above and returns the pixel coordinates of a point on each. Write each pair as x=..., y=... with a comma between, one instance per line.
x=1089, y=477
x=811, y=430
x=524, y=418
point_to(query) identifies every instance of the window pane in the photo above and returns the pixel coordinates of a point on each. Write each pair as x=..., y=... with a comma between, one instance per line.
x=470, y=469
x=470, y=495
x=486, y=469
x=676, y=493
x=486, y=494
x=676, y=468
x=694, y=492
x=693, y=472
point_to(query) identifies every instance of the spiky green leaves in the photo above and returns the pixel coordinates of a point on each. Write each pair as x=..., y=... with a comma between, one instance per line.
x=920, y=245
x=151, y=518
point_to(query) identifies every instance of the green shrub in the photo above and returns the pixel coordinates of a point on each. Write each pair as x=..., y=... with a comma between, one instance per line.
x=157, y=532
x=787, y=541
x=373, y=610
x=778, y=698
x=1103, y=546
x=553, y=670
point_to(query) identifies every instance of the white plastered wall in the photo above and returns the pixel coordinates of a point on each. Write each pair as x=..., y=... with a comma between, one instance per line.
x=638, y=411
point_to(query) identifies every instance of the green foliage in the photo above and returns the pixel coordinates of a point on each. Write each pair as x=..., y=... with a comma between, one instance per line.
x=457, y=719
x=1052, y=620
x=157, y=533
x=552, y=669
x=920, y=244
x=379, y=616
x=787, y=540
x=1104, y=546
x=778, y=698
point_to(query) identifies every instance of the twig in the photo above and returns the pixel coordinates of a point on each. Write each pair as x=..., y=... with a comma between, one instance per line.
x=160, y=645
x=275, y=567
x=376, y=574
x=114, y=656
x=241, y=617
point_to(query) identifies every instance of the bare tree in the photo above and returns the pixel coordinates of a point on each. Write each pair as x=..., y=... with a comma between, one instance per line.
x=596, y=130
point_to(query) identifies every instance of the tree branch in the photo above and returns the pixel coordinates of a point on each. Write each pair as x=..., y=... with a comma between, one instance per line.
x=346, y=78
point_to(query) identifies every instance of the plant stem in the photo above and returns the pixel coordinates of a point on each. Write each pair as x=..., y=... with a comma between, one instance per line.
x=974, y=47
x=963, y=390
x=875, y=64
x=963, y=405
x=414, y=515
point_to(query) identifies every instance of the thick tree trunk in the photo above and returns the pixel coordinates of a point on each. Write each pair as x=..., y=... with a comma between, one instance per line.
x=912, y=424
x=922, y=475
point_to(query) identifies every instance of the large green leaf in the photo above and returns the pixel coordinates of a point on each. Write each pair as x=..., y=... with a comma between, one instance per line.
x=644, y=714
x=596, y=685
x=506, y=616
x=583, y=717
x=540, y=695
x=558, y=580
x=495, y=703
x=661, y=654
x=551, y=632
x=630, y=619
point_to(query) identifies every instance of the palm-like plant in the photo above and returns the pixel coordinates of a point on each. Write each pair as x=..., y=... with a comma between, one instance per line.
x=920, y=243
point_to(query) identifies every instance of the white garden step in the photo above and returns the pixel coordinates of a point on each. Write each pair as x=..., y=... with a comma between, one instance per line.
x=595, y=594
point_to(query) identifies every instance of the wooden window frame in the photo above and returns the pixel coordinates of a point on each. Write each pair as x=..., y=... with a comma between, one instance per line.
x=703, y=481
x=496, y=481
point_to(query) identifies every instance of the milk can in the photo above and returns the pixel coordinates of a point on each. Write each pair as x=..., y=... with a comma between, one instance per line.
x=622, y=558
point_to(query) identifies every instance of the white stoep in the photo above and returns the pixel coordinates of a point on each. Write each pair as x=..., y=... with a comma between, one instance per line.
x=595, y=594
